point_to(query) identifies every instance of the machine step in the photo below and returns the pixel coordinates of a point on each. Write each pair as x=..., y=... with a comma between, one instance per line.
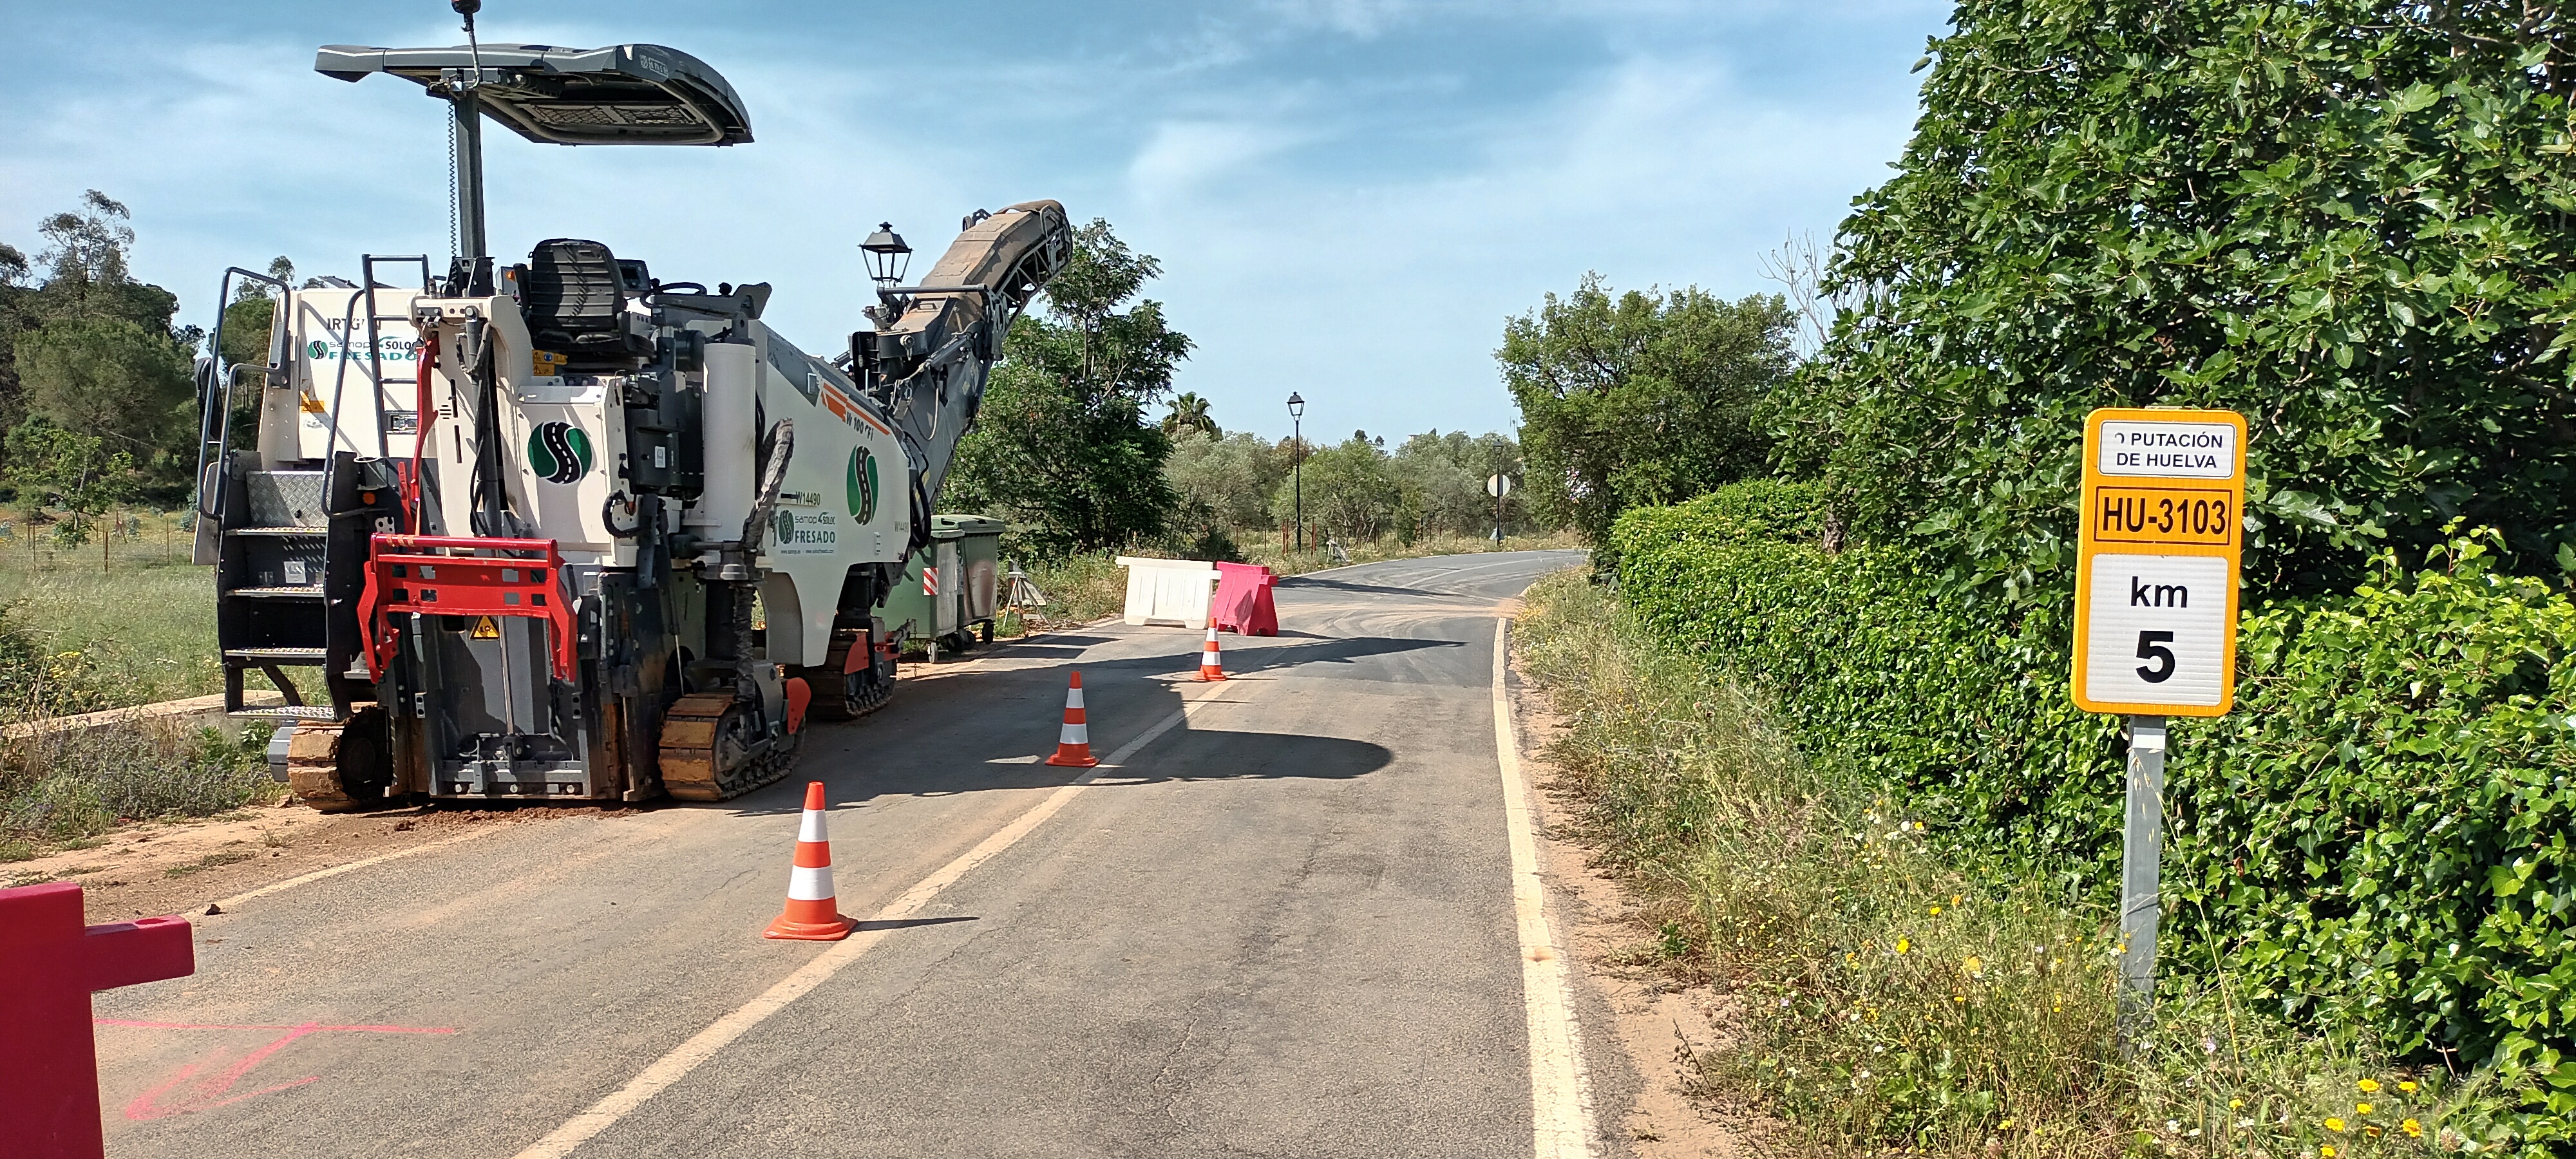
x=286, y=498
x=281, y=532
x=306, y=592
x=278, y=655
x=287, y=712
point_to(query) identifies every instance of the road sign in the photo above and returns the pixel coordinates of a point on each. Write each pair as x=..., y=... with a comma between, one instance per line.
x=1498, y=485
x=2155, y=624
x=2156, y=567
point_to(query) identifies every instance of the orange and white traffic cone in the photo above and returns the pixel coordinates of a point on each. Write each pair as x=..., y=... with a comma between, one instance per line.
x=1073, y=746
x=1210, y=667
x=813, y=914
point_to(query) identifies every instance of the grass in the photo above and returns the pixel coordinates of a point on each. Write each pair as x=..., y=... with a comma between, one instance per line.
x=1285, y=560
x=1885, y=1000
x=62, y=789
x=144, y=630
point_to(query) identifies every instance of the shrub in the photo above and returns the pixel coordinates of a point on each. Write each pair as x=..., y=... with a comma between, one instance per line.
x=75, y=783
x=1881, y=995
x=2375, y=841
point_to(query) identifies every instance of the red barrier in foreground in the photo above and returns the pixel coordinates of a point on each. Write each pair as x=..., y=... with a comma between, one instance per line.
x=49, y=964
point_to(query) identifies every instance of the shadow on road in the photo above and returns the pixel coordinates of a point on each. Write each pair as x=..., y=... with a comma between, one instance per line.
x=1301, y=583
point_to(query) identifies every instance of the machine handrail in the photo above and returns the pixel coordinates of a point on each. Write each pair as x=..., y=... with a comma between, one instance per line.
x=218, y=394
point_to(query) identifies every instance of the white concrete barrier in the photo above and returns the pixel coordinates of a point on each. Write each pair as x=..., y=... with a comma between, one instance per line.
x=1168, y=591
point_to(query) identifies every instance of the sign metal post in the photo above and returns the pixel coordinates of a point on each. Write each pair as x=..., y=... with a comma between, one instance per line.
x=2155, y=623
x=1498, y=485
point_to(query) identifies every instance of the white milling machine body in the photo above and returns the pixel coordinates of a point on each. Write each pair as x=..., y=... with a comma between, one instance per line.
x=588, y=535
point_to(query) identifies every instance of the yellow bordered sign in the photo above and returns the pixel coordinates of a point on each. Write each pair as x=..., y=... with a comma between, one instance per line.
x=2157, y=565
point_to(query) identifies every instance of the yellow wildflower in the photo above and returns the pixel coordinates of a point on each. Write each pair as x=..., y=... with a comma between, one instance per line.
x=1954, y=899
x=2413, y=1129
x=2235, y=1104
x=1936, y=911
x=2327, y=1151
x=1904, y=944
x=1976, y=966
x=2361, y=1108
x=2335, y=1125
x=2368, y=1086
x=2407, y=1086
x=2006, y=1125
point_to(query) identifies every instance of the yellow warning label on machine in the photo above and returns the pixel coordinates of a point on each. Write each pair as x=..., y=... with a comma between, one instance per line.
x=486, y=628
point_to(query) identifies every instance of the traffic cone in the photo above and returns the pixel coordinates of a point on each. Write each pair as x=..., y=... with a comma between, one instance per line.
x=813, y=914
x=1073, y=747
x=1211, y=668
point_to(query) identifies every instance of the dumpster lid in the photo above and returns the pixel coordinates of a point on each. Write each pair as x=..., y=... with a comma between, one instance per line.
x=953, y=526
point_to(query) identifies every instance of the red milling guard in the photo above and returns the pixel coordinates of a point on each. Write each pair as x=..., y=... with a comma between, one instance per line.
x=409, y=573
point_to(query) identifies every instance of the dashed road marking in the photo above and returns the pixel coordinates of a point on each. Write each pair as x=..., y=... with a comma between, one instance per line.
x=705, y=1044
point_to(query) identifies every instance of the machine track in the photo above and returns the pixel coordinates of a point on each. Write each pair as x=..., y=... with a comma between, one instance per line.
x=862, y=692
x=711, y=751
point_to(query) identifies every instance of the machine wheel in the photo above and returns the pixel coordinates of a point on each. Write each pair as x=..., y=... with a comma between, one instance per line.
x=342, y=766
x=712, y=749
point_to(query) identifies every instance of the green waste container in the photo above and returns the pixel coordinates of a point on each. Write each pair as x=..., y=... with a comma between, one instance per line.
x=950, y=589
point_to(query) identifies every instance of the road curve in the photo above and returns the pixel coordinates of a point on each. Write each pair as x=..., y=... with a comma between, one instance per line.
x=1284, y=926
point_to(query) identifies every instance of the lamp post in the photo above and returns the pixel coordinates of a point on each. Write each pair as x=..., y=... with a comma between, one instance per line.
x=1297, y=460
x=887, y=256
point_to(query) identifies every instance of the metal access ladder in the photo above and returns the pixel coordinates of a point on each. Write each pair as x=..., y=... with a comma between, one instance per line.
x=289, y=542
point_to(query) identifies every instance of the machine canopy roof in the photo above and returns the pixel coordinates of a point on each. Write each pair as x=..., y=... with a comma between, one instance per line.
x=625, y=94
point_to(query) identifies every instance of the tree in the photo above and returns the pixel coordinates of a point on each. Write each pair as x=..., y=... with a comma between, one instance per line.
x=1063, y=450
x=1641, y=398
x=111, y=376
x=1189, y=413
x=2347, y=219
x=1349, y=491
x=93, y=350
x=1442, y=478
x=73, y=471
x=1224, y=483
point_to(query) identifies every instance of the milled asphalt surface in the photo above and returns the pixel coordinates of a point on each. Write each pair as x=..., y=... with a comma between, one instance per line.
x=1284, y=928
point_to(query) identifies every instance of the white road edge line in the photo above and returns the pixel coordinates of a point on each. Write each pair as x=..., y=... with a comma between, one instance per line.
x=1560, y=1089
x=703, y=1045
x=229, y=903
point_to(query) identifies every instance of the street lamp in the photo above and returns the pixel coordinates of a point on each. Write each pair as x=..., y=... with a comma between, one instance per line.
x=888, y=257
x=1297, y=460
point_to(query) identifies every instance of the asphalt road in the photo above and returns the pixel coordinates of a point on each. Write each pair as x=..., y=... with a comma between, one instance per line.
x=1284, y=927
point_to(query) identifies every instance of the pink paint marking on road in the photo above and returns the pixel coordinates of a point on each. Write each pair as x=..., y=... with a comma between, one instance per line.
x=307, y=1027
x=212, y=1091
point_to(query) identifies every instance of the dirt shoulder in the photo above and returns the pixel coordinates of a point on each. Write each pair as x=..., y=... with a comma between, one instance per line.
x=181, y=867
x=1659, y=1029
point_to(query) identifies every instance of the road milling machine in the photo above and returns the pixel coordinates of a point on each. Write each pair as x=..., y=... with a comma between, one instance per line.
x=560, y=530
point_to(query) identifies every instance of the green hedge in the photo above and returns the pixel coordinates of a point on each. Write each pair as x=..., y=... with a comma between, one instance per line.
x=2378, y=836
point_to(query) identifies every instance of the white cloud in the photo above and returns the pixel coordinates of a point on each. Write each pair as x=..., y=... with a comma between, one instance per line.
x=1183, y=155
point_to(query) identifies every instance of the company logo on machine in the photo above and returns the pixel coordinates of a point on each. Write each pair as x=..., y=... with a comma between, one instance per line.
x=316, y=348
x=558, y=452
x=801, y=532
x=863, y=485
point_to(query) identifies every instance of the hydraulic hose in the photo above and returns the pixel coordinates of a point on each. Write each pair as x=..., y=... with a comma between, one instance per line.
x=423, y=417
x=773, y=476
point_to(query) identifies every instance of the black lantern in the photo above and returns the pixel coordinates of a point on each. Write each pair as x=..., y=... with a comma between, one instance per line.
x=888, y=257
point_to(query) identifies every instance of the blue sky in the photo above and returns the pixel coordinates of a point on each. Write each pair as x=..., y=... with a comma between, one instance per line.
x=1348, y=196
